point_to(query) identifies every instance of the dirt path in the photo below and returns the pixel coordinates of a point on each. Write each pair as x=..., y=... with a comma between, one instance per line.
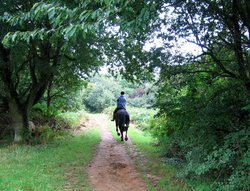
x=112, y=168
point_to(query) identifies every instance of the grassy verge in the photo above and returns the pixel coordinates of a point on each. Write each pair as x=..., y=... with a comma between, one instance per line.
x=165, y=174
x=53, y=167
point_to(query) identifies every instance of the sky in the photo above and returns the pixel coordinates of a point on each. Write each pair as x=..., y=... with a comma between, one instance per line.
x=181, y=46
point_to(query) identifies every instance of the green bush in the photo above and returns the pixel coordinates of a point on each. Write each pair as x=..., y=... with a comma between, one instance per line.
x=103, y=91
x=67, y=120
x=57, y=127
x=45, y=134
x=141, y=116
x=206, y=124
x=41, y=110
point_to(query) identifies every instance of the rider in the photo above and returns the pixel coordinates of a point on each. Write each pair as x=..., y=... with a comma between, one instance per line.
x=121, y=104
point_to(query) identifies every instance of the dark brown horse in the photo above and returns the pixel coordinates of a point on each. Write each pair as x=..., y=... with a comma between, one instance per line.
x=122, y=121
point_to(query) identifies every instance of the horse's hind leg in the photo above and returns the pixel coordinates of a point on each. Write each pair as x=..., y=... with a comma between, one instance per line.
x=121, y=135
x=117, y=131
x=126, y=136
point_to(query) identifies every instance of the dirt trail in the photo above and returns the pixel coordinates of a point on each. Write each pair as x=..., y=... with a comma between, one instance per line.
x=112, y=168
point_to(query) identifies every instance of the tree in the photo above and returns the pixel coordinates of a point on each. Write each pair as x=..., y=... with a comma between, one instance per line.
x=40, y=39
x=219, y=28
x=35, y=53
x=204, y=99
x=101, y=93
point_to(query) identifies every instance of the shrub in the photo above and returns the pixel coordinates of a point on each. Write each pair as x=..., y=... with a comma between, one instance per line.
x=67, y=120
x=141, y=116
x=208, y=122
x=41, y=110
x=43, y=134
x=57, y=127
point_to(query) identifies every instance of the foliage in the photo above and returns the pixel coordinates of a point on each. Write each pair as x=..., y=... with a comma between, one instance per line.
x=100, y=93
x=41, y=45
x=52, y=45
x=49, y=126
x=61, y=97
x=43, y=135
x=103, y=91
x=141, y=116
x=143, y=96
x=204, y=96
x=204, y=121
x=69, y=120
x=41, y=110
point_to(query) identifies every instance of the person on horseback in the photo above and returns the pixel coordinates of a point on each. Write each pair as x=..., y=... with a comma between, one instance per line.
x=121, y=104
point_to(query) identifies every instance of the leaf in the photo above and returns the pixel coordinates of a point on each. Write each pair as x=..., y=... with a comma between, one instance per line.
x=5, y=40
x=14, y=36
x=70, y=32
x=51, y=12
x=28, y=38
x=146, y=15
x=95, y=14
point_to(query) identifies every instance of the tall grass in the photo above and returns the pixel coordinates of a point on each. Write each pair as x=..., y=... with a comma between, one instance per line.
x=53, y=167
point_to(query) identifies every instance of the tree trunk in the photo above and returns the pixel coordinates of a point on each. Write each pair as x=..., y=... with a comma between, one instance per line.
x=49, y=97
x=19, y=121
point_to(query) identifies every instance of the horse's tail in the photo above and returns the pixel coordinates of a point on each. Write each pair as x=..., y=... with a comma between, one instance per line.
x=127, y=119
x=122, y=120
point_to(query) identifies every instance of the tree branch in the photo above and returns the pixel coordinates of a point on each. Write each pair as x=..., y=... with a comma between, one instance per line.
x=222, y=67
x=70, y=57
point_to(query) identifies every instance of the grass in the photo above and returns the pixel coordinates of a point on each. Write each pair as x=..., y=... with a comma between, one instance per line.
x=53, y=167
x=165, y=174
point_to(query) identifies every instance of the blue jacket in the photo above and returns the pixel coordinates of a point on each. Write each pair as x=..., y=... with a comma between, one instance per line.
x=121, y=102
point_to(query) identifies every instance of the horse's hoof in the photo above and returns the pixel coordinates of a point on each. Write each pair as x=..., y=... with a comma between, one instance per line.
x=121, y=139
x=118, y=134
x=126, y=139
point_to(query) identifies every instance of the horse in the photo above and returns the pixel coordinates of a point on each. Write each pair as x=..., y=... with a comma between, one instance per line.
x=122, y=121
